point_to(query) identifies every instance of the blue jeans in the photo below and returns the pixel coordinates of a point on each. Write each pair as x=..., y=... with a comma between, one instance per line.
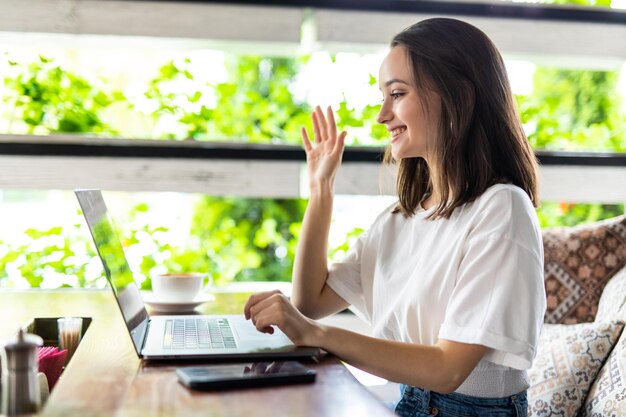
x=416, y=402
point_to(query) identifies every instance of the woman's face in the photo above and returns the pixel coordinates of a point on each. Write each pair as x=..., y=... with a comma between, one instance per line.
x=403, y=111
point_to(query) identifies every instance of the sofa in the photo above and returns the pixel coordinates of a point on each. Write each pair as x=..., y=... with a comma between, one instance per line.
x=580, y=367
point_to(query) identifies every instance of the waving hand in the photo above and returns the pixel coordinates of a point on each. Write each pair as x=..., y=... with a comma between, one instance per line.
x=324, y=154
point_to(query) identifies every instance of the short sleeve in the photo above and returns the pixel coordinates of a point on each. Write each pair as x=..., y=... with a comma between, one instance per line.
x=345, y=277
x=499, y=298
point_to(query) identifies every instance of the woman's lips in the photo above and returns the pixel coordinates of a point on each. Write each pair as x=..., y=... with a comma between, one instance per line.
x=395, y=133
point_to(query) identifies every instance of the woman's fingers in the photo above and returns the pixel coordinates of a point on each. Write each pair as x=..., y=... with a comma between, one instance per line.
x=323, y=130
x=264, y=322
x=256, y=299
x=276, y=311
x=266, y=303
x=332, y=127
x=321, y=120
x=317, y=134
x=270, y=311
x=306, y=141
x=339, y=145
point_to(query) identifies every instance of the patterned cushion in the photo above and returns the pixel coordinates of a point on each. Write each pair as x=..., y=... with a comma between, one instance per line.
x=613, y=301
x=607, y=397
x=579, y=261
x=568, y=360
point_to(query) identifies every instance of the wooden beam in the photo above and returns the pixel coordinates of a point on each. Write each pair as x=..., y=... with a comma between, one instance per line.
x=587, y=41
x=168, y=19
x=272, y=179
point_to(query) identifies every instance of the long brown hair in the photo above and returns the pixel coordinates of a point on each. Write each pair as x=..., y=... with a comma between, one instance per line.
x=479, y=141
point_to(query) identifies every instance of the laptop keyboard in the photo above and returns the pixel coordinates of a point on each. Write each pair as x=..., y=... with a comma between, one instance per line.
x=199, y=333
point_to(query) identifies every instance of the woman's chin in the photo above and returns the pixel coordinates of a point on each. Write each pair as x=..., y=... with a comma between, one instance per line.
x=399, y=153
x=396, y=151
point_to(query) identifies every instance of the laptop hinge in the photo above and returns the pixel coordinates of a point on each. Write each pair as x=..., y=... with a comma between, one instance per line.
x=145, y=336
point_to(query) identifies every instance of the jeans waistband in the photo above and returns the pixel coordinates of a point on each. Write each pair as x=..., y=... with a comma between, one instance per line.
x=423, y=399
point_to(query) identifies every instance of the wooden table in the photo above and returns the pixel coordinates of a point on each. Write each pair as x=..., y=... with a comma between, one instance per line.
x=105, y=377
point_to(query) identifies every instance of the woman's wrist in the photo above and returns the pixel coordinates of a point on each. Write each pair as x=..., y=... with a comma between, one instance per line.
x=321, y=188
x=317, y=335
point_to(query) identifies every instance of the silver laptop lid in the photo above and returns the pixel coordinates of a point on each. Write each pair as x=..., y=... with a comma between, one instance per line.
x=115, y=265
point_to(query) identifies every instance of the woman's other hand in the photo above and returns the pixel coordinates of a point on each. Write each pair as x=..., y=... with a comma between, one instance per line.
x=273, y=308
x=324, y=154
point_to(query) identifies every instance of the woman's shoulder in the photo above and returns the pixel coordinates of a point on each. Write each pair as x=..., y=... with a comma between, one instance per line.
x=387, y=214
x=505, y=210
x=504, y=196
x=385, y=219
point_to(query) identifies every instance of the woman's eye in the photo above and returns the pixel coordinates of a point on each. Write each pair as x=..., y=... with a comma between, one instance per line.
x=394, y=96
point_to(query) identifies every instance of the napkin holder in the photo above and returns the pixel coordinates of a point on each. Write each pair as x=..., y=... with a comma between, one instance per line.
x=47, y=329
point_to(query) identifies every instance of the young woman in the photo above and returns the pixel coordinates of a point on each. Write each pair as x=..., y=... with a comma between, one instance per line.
x=451, y=276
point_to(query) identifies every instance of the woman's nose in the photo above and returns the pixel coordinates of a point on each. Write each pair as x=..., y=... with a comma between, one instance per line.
x=384, y=115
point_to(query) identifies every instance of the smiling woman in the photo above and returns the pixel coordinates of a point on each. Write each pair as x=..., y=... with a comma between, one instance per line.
x=450, y=277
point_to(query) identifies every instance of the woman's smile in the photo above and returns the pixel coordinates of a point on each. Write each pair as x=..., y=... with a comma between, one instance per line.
x=396, y=132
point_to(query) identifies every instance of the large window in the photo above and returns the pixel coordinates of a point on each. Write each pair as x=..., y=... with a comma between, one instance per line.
x=158, y=90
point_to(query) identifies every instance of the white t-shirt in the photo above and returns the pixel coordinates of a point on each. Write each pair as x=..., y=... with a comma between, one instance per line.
x=474, y=278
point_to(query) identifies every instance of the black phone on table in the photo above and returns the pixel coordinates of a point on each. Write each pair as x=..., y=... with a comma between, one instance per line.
x=245, y=375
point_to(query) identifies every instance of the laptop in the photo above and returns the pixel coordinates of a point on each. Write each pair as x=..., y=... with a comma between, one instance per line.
x=177, y=336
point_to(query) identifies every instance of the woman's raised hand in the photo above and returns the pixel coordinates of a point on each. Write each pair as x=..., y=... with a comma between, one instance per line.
x=324, y=155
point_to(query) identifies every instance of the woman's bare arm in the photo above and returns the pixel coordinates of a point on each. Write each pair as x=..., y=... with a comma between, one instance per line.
x=310, y=293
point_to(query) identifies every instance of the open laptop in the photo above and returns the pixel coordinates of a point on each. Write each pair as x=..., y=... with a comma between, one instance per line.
x=169, y=337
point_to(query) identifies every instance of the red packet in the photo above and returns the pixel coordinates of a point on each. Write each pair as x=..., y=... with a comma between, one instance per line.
x=51, y=363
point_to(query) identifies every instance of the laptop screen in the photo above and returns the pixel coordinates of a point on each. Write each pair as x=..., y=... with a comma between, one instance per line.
x=116, y=267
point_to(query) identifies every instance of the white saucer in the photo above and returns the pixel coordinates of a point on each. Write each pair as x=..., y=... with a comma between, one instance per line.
x=175, y=307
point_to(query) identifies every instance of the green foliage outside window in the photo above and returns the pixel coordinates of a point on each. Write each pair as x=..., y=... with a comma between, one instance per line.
x=573, y=110
x=244, y=239
x=254, y=105
x=44, y=98
x=234, y=238
x=553, y=214
x=61, y=254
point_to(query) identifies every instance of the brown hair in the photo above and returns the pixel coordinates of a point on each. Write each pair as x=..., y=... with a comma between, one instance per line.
x=479, y=141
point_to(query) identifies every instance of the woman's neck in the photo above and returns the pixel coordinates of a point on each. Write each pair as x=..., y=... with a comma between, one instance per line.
x=428, y=203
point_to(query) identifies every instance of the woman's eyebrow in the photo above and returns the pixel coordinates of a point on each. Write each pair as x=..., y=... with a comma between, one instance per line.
x=395, y=80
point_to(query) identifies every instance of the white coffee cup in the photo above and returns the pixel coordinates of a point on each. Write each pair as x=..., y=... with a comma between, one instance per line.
x=178, y=287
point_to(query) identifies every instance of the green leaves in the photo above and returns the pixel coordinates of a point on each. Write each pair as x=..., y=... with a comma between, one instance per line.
x=57, y=256
x=574, y=110
x=256, y=104
x=46, y=99
x=562, y=214
x=248, y=239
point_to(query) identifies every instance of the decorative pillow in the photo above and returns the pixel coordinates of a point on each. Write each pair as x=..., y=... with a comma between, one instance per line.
x=568, y=360
x=607, y=397
x=613, y=301
x=578, y=263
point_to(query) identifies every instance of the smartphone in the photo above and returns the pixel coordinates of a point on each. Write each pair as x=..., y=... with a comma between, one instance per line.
x=246, y=375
